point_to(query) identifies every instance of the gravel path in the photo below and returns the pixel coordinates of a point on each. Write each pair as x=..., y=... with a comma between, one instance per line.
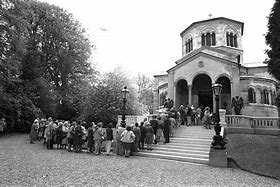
x=24, y=164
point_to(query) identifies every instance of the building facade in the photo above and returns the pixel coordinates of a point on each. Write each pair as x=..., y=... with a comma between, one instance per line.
x=212, y=52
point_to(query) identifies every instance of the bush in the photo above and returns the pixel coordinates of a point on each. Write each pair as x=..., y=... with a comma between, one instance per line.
x=19, y=112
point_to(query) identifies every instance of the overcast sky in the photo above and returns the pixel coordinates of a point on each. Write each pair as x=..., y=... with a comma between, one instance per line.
x=144, y=35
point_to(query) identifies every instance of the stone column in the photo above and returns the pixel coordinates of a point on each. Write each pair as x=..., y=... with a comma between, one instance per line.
x=174, y=100
x=231, y=90
x=190, y=94
x=214, y=103
x=269, y=98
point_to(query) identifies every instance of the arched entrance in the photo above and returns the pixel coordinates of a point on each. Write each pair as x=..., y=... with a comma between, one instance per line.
x=181, y=93
x=202, y=91
x=225, y=97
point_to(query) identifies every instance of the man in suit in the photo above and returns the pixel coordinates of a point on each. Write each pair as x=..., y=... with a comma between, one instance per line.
x=166, y=129
x=154, y=124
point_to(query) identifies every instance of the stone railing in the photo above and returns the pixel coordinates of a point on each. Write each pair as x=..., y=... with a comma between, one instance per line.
x=253, y=122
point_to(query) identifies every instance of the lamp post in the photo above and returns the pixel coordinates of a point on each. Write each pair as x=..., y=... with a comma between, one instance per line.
x=218, y=142
x=124, y=96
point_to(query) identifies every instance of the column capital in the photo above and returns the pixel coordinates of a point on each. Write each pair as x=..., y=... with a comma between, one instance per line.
x=189, y=86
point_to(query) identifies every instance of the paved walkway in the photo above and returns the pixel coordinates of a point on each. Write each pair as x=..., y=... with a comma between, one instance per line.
x=24, y=164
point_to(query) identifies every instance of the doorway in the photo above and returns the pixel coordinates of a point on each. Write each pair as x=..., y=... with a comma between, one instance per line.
x=205, y=98
x=202, y=91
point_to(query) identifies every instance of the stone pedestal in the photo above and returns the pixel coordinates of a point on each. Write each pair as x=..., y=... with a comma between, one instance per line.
x=222, y=114
x=218, y=158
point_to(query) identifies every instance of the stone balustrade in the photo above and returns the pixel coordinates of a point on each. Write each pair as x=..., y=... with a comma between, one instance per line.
x=253, y=122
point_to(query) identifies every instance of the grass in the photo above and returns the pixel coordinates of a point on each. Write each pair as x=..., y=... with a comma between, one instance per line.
x=259, y=154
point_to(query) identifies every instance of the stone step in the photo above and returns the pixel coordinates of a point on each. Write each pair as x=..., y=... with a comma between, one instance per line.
x=193, y=136
x=186, y=146
x=203, y=136
x=168, y=149
x=190, y=143
x=175, y=157
x=195, y=155
x=191, y=140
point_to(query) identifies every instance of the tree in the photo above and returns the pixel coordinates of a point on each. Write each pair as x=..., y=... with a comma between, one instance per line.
x=143, y=81
x=104, y=101
x=145, y=91
x=273, y=41
x=44, y=62
x=15, y=106
x=56, y=63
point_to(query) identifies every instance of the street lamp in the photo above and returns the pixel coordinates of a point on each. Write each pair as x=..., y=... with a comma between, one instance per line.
x=218, y=142
x=125, y=92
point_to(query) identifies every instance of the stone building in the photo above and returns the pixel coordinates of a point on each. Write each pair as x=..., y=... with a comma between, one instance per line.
x=212, y=52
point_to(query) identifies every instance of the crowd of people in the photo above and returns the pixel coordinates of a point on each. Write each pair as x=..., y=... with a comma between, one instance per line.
x=76, y=135
x=190, y=115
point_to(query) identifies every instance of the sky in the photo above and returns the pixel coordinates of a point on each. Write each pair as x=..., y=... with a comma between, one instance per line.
x=143, y=36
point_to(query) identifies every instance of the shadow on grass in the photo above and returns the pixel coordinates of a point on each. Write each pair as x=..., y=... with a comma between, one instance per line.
x=259, y=154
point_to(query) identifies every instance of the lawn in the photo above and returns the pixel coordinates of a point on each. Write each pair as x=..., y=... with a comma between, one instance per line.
x=259, y=154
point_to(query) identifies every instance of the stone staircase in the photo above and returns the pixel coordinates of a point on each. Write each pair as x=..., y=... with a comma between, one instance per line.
x=189, y=144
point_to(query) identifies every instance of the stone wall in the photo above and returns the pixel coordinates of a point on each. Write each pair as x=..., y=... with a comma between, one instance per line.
x=260, y=110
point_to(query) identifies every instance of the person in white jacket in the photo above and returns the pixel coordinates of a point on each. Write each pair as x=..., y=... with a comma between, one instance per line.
x=127, y=137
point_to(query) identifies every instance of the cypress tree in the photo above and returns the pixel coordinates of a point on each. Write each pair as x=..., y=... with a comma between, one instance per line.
x=273, y=41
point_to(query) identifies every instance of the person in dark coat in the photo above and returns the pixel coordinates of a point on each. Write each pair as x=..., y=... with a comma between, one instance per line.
x=77, y=140
x=109, y=138
x=142, y=135
x=166, y=129
x=59, y=135
x=154, y=124
x=90, y=141
x=136, y=131
x=182, y=114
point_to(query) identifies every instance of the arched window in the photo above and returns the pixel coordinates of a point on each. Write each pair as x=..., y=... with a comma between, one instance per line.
x=273, y=96
x=231, y=39
x=203, y=40
x=213, y=39
x=228, y=40
x=251, y=95
x=265, y=97
x=208, y=39
x=235, y=41
x=189, y=45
